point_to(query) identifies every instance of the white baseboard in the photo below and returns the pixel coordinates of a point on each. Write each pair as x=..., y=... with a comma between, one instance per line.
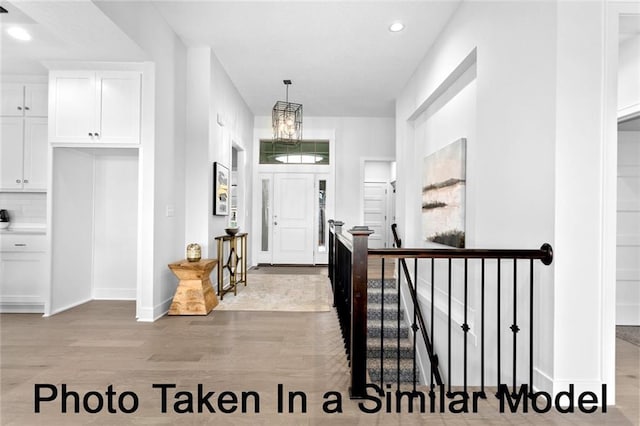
x=152, y=314
x=21, y=305
x=114, y=294
x=67, y=307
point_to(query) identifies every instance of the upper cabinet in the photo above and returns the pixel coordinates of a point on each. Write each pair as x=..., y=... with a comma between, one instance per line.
x=95, y=107
x=23, y=100
x=23, y=137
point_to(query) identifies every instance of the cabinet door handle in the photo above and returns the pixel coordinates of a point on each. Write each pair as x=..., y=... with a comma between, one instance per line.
x=25, y=181
x=97, y=135
x=19, y=108
x=91, y=134
x=26, y=108
x=20, y=245
x=18, y=180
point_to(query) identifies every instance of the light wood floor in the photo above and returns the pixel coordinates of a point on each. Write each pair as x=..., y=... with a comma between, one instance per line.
x=100, y=343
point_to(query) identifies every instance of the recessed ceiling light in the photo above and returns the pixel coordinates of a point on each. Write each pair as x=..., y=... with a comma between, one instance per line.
x=396, y=27
x=19, y=33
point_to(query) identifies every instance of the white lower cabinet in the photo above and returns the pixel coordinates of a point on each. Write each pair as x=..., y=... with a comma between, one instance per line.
x=23, y=273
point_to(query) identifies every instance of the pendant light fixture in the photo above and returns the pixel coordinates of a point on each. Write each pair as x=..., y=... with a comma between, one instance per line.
x=286, y=120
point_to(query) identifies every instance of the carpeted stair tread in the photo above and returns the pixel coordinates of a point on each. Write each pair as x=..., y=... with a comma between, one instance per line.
x=374, y=295
x=390, y=348
x=390, y=328
x=389, y=283
x=374, y=311
x=390, y=370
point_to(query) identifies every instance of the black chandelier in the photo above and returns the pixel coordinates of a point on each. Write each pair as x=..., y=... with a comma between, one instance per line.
x=286, y=120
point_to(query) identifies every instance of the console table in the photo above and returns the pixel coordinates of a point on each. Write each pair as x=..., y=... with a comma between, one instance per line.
x=194, y=295
x=236, y=262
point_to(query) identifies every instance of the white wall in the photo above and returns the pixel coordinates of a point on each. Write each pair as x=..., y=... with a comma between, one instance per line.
x=238, y=122
x=628, y=80
x=197, y=164
x=115, y=225
x=71, y=229
x=377, y=171
x=538, y=95
x=212, y=99
x=162, y=154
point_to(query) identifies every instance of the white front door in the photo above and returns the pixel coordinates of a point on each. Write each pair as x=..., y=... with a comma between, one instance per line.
x=375, y=213
x=293, y=218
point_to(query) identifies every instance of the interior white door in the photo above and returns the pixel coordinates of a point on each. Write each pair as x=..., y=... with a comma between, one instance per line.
x=293, y=218
x=375, y=212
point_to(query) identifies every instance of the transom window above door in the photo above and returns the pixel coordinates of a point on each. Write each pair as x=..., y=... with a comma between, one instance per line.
x=305, y=152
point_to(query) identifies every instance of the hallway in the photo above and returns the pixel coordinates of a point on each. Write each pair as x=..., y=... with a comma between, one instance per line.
x=99, y=343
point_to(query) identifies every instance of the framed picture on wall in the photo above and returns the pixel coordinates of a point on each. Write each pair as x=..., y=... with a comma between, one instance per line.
x=444, y=195
x=220, y=189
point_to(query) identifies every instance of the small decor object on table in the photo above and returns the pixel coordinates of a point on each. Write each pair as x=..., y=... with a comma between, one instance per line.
x=220, y=189
x=194, y=252
x=194, y=295
x=231, y=231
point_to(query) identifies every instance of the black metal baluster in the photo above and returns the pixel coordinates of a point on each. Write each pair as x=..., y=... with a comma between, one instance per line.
x=498, y=333
x=382, y=330
x=398, y=333
x=531, y=327
x=465, y=326
x=449, y=394
x=433, y=338
x=482, y=393
x=414, y=326
x=514, y=327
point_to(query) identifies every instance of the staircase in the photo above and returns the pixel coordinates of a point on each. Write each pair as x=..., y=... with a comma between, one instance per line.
x=391, y=330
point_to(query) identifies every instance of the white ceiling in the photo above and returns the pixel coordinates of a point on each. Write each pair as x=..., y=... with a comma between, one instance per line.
x=61, y=30
x=341, y=57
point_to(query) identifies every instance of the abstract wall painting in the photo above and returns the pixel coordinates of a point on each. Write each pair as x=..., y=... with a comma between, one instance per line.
x=443, y=195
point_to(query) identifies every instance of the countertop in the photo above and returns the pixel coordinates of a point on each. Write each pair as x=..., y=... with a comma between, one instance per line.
x=24, y=228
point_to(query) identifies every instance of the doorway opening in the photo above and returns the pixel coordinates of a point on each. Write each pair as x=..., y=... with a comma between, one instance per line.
x=628, y=174
x=378, y=202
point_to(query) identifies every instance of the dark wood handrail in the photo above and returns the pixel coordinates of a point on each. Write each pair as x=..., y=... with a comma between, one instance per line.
x=545, y=253
x=348, y=243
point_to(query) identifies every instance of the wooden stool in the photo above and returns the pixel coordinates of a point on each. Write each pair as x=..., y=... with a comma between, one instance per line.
x=194, y=295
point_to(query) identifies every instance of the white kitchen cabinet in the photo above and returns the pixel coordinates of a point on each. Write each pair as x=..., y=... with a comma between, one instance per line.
x=23, y=154
x=22, y=272
x=23, y=100
x=95, y=107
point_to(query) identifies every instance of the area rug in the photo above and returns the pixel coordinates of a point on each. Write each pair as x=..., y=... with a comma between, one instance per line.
x=285, y=293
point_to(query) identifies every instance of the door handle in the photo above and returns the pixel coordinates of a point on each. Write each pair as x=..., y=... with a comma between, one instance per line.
x=275, y=223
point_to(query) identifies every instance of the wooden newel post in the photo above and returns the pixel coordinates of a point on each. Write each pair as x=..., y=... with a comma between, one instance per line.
x=359, y=311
